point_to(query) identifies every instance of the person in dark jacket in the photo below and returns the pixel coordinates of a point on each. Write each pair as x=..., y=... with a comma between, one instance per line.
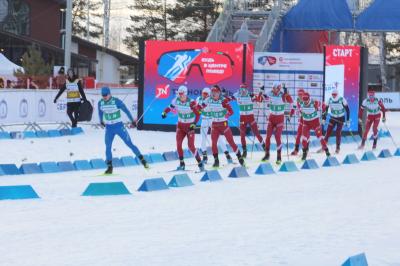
x=75, y=95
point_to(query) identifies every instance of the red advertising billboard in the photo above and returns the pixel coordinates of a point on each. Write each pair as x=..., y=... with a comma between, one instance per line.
x=342, y=72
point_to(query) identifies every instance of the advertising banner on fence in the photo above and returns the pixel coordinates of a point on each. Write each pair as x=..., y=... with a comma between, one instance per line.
x=28, y=106
x=195, y=65
x=391, y=100
x=342, y=72
x=291, y=69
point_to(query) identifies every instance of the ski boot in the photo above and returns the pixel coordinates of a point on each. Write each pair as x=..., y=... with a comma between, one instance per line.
x=279, y=157
x=337, y=151
x=295, y=151
x=240, y=158
x=205, y=157
x=143, y=161
x=228, y=157
x=244, y=155
x=266, y=157
x=181, y=166
x=109, y=170
x=304, y=156
x=374, y=143
x=216, y=161
x=201, y=166
x=328, y=154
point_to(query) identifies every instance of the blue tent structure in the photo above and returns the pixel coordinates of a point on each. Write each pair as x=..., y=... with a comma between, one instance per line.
x=319, y=15
x=381, y=15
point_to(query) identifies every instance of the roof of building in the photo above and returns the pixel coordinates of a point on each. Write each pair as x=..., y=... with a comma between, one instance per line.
x=44, y=44
x=123, y=58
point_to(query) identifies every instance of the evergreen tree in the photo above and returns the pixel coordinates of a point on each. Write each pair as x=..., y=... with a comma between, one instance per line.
x=80, y=15
x=195, y=17
x=149, y=22
x=35, y=67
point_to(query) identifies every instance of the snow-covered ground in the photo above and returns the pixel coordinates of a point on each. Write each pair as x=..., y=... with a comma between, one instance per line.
x=311, y=217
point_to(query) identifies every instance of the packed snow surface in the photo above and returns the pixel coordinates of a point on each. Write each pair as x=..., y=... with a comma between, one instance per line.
x=311, y=217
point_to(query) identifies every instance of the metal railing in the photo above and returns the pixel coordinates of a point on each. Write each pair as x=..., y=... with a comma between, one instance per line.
x=220, y=28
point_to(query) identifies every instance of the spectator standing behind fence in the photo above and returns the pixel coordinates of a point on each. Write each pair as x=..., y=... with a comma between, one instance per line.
x=244, y=35
x=74, y=89
x=60, y=78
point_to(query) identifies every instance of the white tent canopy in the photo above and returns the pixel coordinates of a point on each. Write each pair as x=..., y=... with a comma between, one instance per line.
x=7, y=68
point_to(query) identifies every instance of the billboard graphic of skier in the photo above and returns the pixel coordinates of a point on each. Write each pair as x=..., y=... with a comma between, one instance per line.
x=195, y=65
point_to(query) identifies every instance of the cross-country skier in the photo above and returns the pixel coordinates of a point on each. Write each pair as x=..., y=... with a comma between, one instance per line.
x=109, y=109
x=339, y=114
x=300, y=92
x=188, y=116
x=245, y=101
x=221, y=111
x=75, y=91
x=310, y=113
x=374, y=108
x=277, y=101
x=206, y=122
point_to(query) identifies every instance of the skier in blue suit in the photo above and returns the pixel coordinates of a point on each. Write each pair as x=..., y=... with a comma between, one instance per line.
x=110, y=117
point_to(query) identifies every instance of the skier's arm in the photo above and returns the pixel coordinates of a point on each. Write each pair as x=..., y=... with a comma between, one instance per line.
x=361, y=111
x=288, y=99
x=325, y=109
x=62, y=89
x=317, y=105
x=81, y=91
x=346, y=107
x=228, y=108
x=196, y=111
x=383, y=109
x=100, y=113
x=123, y=107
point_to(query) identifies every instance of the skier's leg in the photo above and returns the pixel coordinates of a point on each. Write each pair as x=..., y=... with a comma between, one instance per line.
x=229, y=137
x=278, y=137
x=243, y=126
x=339, y=129
x=205, y=125
x=305, y=138
x=191, y=137
x=368, y=125
x=329, y=130
x=375, y=131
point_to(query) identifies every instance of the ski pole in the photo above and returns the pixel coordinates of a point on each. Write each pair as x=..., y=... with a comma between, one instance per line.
x=147, y=109
x=348, y=127
x=287, y=138
x=390, y=134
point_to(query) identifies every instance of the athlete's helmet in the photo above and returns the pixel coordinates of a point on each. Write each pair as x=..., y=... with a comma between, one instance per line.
x=300, y=92
x=305, y=97
x=182, y=90
x=335, y=93
x=206, y=92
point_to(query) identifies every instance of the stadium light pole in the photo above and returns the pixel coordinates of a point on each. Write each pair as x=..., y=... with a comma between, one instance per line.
x=68, y=34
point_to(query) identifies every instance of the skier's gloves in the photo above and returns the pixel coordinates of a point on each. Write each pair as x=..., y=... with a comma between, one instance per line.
x=102, y=124
x=132, y=124
x=384, y=119
x=227, y=116
x=192, y=126
x=163, y=115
